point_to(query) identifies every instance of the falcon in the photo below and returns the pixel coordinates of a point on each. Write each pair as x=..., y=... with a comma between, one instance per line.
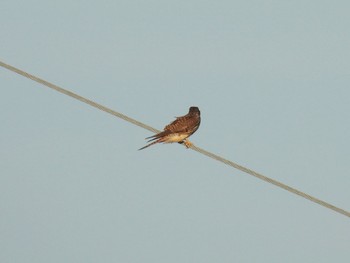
x=179, y=130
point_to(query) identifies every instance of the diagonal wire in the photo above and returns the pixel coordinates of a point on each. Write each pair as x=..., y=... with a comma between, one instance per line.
x=78, y=97
x=195, y=148
x=271, y=181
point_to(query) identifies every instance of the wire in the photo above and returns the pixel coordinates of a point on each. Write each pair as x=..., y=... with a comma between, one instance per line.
x=195, y=148
x=272, y=181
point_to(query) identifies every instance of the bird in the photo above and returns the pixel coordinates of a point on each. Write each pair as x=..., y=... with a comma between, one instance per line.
x=179, y=130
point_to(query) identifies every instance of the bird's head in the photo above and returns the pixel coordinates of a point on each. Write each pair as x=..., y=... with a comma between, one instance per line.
x=194, y=110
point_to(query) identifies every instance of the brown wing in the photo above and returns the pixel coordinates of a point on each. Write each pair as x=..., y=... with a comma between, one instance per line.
x=185, y=124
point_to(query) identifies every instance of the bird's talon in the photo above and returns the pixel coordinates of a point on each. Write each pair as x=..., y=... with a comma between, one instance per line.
x=187, y=143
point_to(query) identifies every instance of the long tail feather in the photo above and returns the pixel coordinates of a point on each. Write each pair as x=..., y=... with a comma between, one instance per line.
x=157, y=136
x=148, y=145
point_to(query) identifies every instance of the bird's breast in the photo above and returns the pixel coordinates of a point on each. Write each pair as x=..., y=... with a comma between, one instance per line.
x=176, y=137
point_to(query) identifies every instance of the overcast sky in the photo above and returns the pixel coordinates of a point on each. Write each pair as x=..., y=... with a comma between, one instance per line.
x=272, y=81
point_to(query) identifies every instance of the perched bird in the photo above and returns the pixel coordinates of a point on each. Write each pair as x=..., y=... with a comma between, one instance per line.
x=179, y=130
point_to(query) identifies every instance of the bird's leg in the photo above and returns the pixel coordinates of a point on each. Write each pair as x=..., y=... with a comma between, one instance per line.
x=187, y=143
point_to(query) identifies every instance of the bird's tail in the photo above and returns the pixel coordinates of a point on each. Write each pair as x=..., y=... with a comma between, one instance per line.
x=148, y=145
x=159, y=137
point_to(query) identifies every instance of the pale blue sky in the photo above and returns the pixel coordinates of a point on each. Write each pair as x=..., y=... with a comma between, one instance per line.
x=271, y=79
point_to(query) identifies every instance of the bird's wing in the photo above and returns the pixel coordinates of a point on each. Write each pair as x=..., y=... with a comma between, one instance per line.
x=183, y=124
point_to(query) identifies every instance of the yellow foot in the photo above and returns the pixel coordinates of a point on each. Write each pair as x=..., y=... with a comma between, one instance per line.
x=187, y=143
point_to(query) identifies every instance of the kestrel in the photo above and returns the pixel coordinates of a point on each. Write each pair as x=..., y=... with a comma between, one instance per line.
x=179, y=130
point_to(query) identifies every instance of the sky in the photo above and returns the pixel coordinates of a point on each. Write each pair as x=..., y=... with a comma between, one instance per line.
x=271, y=79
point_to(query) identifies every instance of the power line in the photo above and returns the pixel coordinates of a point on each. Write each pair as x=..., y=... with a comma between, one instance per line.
x=78, y=97
x=195, y=148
